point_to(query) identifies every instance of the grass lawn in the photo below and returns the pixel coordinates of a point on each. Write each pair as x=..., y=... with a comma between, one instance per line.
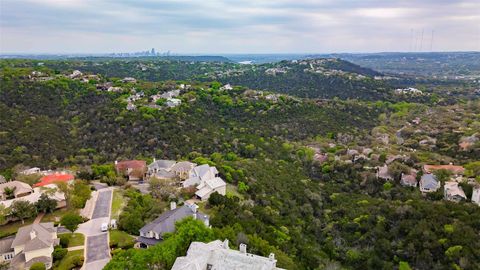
x=56, y=215
x=12, y=227
x=121, y=239
x=67, y=262
x=118, y=202
x=75, y=239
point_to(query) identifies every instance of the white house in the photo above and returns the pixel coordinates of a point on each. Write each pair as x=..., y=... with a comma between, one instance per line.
x=218, y=255
x=209, y=186
x=452, y=192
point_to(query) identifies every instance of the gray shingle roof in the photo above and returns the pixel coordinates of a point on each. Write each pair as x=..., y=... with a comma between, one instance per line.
x=161, y=164
x=429, y=181
x=166, y=221
x=43, y=236
x=6, y=244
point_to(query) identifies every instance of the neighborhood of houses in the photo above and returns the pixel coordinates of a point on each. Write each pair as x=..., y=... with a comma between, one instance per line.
x=203, y=178
x=35, y=243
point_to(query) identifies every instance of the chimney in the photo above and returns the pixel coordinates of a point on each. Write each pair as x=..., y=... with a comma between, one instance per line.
x=243, y=248
x=154, y=159
x=225, y=244
x=271, y=257
x=207, y=222
x=173, y=205
x=33, y=234
x=116, y=162
x=194, y=215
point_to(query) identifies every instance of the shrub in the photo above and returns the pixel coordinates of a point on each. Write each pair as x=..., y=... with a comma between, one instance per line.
x=64, y=241
x=59, y=253
x=38, y=266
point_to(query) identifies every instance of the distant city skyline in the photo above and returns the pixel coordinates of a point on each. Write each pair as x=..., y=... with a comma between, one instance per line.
x=236, y=27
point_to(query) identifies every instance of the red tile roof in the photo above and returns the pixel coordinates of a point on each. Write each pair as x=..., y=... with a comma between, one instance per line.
x=52, y=178
x=131, y=164
x=453, y=168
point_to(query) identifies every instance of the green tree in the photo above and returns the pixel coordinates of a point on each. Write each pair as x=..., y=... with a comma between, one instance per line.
x=4, y=212
x=46, y=204
x=23, y=210
x=9, y=192
x=71, y=221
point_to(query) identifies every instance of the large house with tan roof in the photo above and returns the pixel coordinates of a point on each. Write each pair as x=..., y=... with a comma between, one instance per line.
x=32, y=243
x=18, y=189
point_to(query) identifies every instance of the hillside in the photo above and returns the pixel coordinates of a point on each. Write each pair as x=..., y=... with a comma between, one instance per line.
x=297, y=187
x=317, y=78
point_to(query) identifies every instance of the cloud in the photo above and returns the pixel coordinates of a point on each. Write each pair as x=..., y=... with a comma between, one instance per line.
x=229, y=26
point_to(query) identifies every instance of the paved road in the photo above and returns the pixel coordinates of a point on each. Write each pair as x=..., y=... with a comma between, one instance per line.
x=97, y=248
x=102, y=206
x=97, y=252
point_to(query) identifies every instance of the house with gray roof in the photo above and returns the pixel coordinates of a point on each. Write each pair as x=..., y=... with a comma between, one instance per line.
x=429, y=183
x=32, y=243
x=218, y=255
x=153, y=232
x=199, y=174
x=182, y=169
x=161, y=169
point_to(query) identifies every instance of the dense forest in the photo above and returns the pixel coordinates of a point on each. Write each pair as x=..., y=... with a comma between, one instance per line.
x=332, y=214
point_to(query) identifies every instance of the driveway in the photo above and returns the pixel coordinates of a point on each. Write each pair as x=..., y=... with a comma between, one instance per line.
x=97, y=250
x=102, y=205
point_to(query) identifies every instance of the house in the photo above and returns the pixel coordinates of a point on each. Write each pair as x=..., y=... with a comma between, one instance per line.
x=33, y=170
x=129, y=80
x=161, y=169
x=455, y=170
x=34, y=196
x=170, y=94
x=182, y=169
x=6, y=251
x=131, y=107
x=452, y=192
x=54, y=178
x=226, y=87
x=75, y=74
x=209, y=186
x=133, y=170
x=429, y=183
x=410, y=179
x=173, y=102
x=104, y=86
x=218, y=255
x=33, y=243
x=382, y=173
x=14, y=189
x=153, y=232
x=476, y=195
x=199, y=174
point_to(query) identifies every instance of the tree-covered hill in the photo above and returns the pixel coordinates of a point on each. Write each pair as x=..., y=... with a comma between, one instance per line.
x=315, y=78
x=333, y=214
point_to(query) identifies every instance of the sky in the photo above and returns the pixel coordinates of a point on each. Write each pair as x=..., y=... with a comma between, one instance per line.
x=238, y=26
